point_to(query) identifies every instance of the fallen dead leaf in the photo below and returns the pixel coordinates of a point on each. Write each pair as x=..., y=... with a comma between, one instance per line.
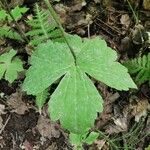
x=137, y=34
x=52, y=147
x=125, y=20
x=78, y=5
x=100, y=144
x=46, y=128
x=62, y=11
x=106, y=115
x=120, y=121
x=2, y=142
x=15, y=102
x=118, y=127
x=146, y=4
x=27, y=145
x=2, y=109
x=140, y=108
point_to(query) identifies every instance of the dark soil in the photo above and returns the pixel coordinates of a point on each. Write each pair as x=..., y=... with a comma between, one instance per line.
x=114, y=21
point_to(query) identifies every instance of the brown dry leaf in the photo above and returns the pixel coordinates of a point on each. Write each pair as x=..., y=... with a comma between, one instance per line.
x=106, y=115
x=2, y=109
x=97, y=1
x=27, y=145
x=15, y=3
x=46, y=128
x=119, y=126
x=62, y=11
x=15, y=101
x=100, y=144
x=120, y=121
x=107, y=3
x=137, y=34
x=146, y=4
x=78, y=5
x=140, y=108
x=52, y=147
x=125, y=20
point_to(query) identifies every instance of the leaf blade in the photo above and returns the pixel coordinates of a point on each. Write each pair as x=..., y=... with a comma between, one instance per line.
x=80, y=97
x=101, y=64
x=49, y=62
x=9, y=67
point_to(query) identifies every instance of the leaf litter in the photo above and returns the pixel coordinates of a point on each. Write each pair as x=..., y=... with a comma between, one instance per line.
x=121, y=120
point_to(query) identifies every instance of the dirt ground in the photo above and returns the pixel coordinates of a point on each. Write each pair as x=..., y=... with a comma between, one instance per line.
x=125, y=122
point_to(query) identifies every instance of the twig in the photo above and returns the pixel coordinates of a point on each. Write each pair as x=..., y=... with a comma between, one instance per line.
x=2, y=129
x=135, y=17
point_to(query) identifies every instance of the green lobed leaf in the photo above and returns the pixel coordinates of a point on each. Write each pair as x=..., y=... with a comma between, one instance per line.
x=48, y=63
x=10, y=67
x=99, y=61
x=76, y=101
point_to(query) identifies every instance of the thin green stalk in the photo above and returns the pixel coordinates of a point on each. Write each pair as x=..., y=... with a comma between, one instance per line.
x=135, y=17
x=55, y=17
x=6, y=7
x=107, y=139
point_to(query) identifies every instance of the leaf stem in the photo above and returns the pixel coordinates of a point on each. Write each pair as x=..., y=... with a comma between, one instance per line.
x=135, y=16
x=56, y=19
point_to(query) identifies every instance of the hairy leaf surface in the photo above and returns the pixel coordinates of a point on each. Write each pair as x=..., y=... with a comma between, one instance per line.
x=99, y=61
x=49, y=62
x=76, y=101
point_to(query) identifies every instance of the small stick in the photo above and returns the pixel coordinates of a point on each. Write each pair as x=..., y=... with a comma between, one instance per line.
x=2, y=129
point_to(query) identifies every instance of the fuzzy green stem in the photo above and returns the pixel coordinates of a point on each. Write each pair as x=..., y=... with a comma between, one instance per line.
x=56, y=19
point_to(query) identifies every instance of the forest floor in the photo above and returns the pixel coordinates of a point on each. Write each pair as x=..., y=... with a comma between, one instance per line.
x=125, y=122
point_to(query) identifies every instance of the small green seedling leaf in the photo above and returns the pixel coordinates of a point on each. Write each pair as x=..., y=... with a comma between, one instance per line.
x=41, y=98
x=148, y=148
x=3, y=15
x=17, y=13
x=91, y=138
x=75, y=139
x=9, y=32
x=139, y=68
x=76, y=101
x=43, y=27
x=10, y=67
